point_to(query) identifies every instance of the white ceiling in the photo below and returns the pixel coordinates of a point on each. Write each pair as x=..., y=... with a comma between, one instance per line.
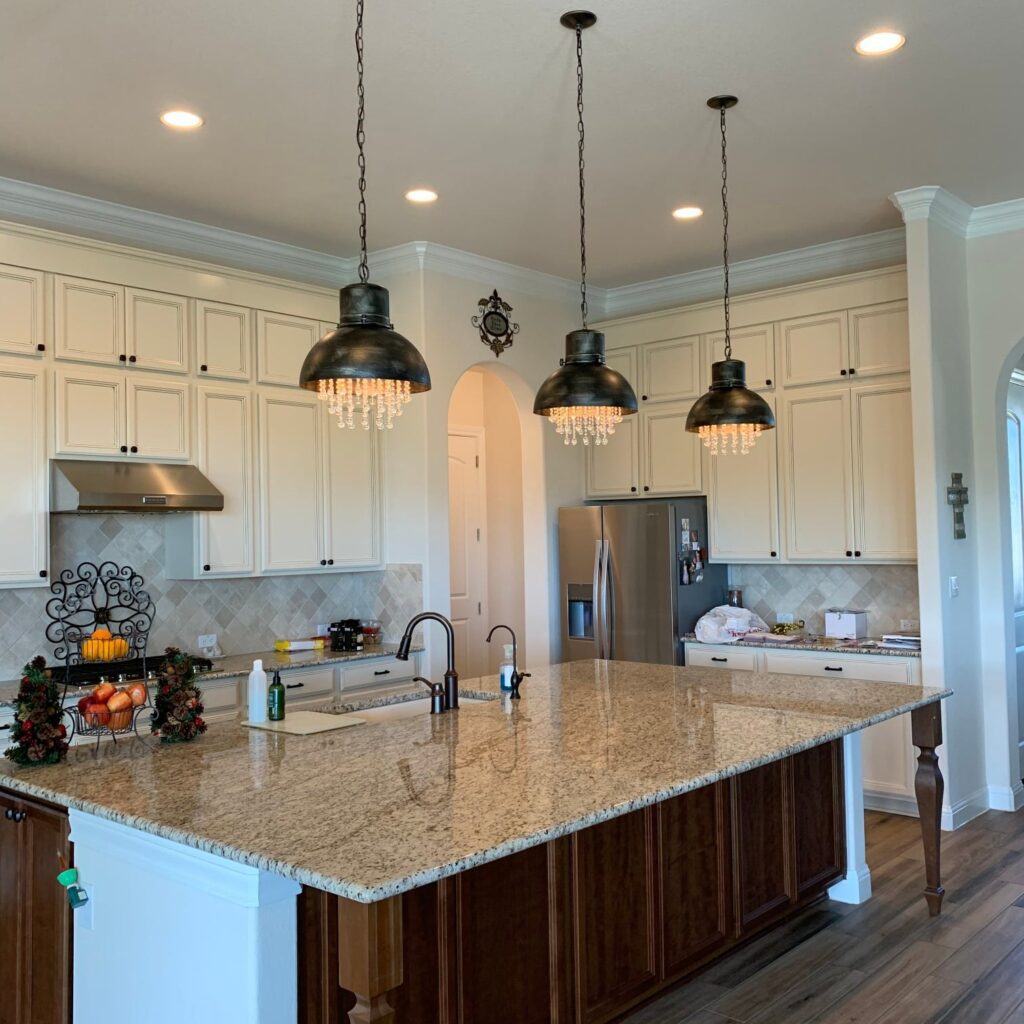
x=476, y=99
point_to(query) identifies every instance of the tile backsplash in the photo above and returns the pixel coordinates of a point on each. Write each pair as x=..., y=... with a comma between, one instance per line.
x=246, y=614
x=887, y=593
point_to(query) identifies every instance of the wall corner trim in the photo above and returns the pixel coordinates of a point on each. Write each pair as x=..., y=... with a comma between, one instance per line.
x=933, y=203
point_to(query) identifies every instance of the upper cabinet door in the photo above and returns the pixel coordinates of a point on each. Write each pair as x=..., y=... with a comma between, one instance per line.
x=353, y=497
x=89, y=413
x=158, y=419
x=157, y=330
x=815, y=437
x=613, y=470
x=883, y=461
x=24, y=545
x=879, y=339
x=814, y=349
x=281, y=345
x=225, y=454
x=671, y=457
x=223, y=340
x=671, y=370
x=756, y=347
x=743, y=502
x=291, y=486
x=88, y=320
x=21, y=311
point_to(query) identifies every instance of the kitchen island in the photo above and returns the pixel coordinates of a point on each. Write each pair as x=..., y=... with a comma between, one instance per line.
x=600, y=764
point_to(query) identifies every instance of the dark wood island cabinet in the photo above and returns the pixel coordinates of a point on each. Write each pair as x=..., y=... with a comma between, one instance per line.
x=586, y=926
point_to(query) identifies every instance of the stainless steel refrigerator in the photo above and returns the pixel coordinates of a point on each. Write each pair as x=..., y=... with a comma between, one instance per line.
x=634, y=578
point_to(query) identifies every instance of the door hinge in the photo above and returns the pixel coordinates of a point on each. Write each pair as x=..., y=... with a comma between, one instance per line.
x=477, y=457
x=478, y=533
x=479, y=608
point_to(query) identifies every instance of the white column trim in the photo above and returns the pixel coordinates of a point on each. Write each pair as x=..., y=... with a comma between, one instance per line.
x=855, y=887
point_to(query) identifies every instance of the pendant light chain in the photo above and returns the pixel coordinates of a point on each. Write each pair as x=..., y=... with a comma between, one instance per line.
x=725, y=235
x=364, y=267
x=583, y=203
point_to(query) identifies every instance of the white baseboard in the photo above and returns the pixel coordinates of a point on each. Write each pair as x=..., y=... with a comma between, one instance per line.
x=1006, y=798
x=953, y=817
x=854, y=888
x=890, y=803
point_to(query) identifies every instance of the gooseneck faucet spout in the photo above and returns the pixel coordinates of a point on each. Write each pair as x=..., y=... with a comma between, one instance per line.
x=451, y=677
x=517, y=676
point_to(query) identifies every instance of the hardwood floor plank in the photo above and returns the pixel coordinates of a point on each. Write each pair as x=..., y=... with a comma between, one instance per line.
x=996, y=995
x=678, y=1005
x=816, y=993
x=926, y=1002
x=967, y=919
x=986, y=948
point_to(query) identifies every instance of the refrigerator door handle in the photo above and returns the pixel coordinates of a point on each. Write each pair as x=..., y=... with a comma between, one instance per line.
x=607, y=625
x=596, y=600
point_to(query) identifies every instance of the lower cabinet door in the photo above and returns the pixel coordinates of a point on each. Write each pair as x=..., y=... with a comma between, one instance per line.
x=614, y=900
x=818, y=823
x=696, y=877
x=762, y=839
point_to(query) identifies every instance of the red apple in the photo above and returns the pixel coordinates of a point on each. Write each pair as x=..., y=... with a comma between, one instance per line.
x=84, y=703
x=104, y=692
x=97, y=714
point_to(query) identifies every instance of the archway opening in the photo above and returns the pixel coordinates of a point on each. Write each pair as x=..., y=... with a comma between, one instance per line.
x=490, y=499
x=1014, y=512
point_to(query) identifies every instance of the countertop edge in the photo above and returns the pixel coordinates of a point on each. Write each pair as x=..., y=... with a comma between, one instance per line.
x=360, y=894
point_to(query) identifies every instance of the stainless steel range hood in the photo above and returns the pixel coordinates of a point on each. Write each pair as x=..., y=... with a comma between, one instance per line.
x=93, y=486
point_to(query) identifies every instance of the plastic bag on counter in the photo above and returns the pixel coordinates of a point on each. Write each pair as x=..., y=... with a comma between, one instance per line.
x=726, y=625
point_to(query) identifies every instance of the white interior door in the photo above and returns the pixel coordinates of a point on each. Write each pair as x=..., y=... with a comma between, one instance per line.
x=1015, y=449
x=468, y=549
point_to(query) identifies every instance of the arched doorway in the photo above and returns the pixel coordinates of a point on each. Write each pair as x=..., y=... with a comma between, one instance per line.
x=488, y=502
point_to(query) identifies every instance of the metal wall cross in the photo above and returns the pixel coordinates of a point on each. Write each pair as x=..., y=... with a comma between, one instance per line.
x=956, y=496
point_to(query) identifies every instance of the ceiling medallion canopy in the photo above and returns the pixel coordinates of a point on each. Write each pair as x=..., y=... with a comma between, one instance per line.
x=365, y=365
x=585, y=398
x=730, y=417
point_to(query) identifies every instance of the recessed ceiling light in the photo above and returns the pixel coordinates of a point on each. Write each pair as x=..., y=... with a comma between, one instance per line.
x=181, y=119
x=421, y=195
x=687, y=213
x=878, y=44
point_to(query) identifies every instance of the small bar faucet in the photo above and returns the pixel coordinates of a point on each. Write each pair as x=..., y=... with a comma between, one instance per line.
x=451, y=677
x=517, y=676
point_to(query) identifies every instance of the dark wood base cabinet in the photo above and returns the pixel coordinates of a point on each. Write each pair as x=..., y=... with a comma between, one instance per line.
x=583, y=928
x=35, y=919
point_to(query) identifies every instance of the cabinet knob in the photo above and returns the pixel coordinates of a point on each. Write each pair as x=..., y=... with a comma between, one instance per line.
x=42, y=574
x=856, y=554
x=134, y=449
x=849, y=554
x=643, y=398
x=633, y=489
x=330, y=561
x=768, y=383
x=40, y=348
x=132, y=359
x=775, y=554
x=203, y=368
x=123, y=358
x=124, y=449
x=323, y=561
x=206, y=568
x=842, y=373
x=646, y=488
x=852, y=371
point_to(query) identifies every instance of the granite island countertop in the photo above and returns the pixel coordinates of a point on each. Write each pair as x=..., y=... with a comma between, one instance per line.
x=822, y=644
x=377, y=809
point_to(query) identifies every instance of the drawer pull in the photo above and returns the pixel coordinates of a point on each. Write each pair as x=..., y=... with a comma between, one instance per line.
x=833, y=668
x=6, y=725
x=722, y=660
x=382, y=672
x=293, y=686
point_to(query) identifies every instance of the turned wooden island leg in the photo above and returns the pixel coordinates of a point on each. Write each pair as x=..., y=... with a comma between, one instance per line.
x=926, y=730
x=370, y=957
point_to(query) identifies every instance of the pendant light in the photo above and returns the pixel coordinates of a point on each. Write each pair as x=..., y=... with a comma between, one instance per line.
x=585, y=398
x=365, y=364
x=730, y=417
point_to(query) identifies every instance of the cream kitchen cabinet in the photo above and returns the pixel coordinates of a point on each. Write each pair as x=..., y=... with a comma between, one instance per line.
x=755, y=346
x=320, y=489
x=88, y=320
x=879, y=339
x=847, y=472
x=22, y=311
x=670, y=457
x=24, y=512
x=219, y=544
x=157, y=331
x=281, y=345
x=613, y=470
x=743, y=502
x=669, y=370
x=223, y=340
x=119, y=414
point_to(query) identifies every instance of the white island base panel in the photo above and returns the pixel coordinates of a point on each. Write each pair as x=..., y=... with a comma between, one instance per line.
x=856, y=886
x=171, y=933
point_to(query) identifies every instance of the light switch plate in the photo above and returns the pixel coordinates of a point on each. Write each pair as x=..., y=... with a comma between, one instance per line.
x=206, y=640
x=783, y=616
x=909, y=624
x=954, y=586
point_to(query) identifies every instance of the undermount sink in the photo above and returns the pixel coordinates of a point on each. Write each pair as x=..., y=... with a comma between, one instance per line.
x=405, y=709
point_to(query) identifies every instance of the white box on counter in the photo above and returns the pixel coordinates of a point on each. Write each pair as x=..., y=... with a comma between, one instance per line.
x=846, y=624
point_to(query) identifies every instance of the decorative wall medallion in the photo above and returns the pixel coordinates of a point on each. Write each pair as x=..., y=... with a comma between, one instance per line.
x=496, y=330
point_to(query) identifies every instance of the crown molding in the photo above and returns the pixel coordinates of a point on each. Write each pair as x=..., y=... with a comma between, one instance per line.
x=82, y=215
x=935, y=204
x=996, y=219
x=828, y=259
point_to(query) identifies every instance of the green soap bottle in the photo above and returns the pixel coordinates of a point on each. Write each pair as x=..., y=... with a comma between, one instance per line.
x=275, y=699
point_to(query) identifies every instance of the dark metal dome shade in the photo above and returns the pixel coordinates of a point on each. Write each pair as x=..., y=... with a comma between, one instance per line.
x=729, y=416
x=585, y=397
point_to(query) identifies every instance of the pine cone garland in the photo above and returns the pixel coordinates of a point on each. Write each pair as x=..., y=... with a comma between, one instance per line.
x=176, y=718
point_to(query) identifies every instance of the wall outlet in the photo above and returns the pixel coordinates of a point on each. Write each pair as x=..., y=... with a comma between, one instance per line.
x=909, y=625
x=322, y=629
x=783, y=617
x=206, y=640
x=954, y=586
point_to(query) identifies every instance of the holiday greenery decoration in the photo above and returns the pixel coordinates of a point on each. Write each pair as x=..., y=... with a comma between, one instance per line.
x=39, y=734
x=178, y=714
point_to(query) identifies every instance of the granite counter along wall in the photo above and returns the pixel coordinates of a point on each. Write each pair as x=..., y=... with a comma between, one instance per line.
x=888, y=593
x=246, y=614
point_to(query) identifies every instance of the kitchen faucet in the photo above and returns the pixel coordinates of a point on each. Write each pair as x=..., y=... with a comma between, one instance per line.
x=451, y=677
x=517, y=676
